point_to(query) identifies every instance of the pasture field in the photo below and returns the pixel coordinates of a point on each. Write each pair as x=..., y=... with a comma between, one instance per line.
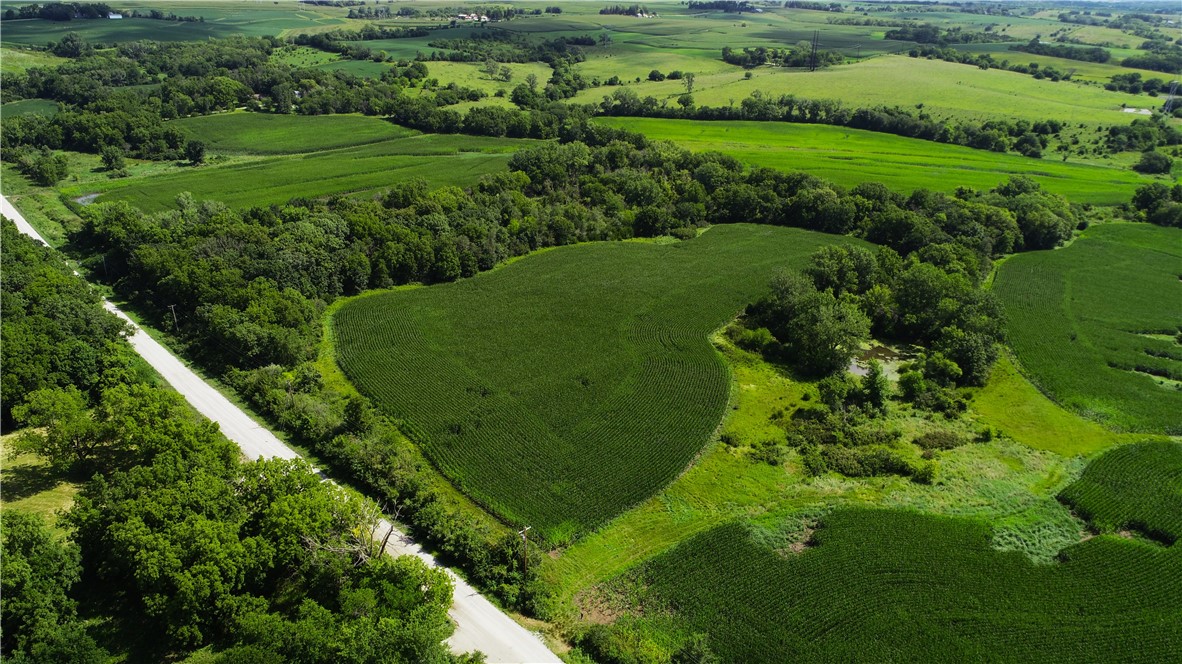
x=566, y=387
x=17, y=60
x=888, y=585
x=1096, y=72
x=244, y=133
x=1135, y=486
x=440, y=159
x=1093, y=324
x=850, y=156
x=946, y=90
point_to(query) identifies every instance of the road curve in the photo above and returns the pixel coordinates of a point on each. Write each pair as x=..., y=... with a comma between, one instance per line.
x=479, y=624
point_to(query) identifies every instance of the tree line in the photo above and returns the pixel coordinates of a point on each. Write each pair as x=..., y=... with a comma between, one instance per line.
x=172, y=540
x=931, y=34
x=1082, y=53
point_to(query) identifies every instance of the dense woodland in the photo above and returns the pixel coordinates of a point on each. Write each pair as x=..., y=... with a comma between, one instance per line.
x=174, y=542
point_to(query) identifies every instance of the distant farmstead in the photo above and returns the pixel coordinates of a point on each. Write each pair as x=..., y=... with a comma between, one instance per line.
x=113, y=16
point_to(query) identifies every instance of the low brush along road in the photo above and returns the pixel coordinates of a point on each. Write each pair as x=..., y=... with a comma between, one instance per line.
x=479, y=625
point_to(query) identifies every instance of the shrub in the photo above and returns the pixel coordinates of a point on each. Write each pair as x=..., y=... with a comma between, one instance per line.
x=939, y=440
x=1153, y=162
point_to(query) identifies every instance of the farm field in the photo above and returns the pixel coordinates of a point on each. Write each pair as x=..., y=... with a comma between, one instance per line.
x=29, y=107
x=946, y=90
x=245, y=133
x=897, y=586
x=1093, y=325
x=1009, y=487
x=1004, y=482
x=557, y=390
x=850, y=156
x=440, y=159
x=222, y=19
x=1137, y=487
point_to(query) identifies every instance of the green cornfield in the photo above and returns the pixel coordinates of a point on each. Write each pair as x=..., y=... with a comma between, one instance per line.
x=895, y=586
x=1137, y=486
x=565, y=387
x=1094, y=325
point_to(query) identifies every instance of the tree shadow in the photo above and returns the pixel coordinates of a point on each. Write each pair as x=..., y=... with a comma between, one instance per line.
x=20, y=482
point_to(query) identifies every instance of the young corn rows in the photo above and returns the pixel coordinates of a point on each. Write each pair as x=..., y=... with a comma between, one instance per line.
x=563, y=389
x=1137, y=487
x=1089, y=324
x=900, y=586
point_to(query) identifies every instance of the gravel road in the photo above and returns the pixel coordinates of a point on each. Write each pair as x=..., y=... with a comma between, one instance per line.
x=479, y=624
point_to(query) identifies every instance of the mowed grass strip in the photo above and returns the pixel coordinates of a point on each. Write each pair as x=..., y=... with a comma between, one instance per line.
x=1135, y=486
x=564, y=388
x=440, y=159
x=1093, y=324
x=850, y=156
x=895, y=586
x=1019, y=411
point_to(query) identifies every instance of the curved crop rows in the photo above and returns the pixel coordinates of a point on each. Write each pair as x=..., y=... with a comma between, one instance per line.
x=1137, y=486
x=1094, y=324
x=899, y=586
x=564, y=388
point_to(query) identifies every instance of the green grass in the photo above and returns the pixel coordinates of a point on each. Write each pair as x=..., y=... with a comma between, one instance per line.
x=1097, y=72
x=1090, y=323
x=1018, y=410
x=243, y=133
x=17, y=60
x=30, y=484
x=851, y=156
x=28, y=107
x=884, y=586
x=440, y=159
x=1136, y=486
x=566, y=387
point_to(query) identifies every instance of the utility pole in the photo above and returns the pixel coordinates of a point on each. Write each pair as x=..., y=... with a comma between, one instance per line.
x=813, y=54
x=175, y=326
x=524, y=532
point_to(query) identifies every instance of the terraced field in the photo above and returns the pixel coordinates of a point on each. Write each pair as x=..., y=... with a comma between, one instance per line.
x=897, y=586
x=1094, y=324
x=851, y=156
x=568, y=386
